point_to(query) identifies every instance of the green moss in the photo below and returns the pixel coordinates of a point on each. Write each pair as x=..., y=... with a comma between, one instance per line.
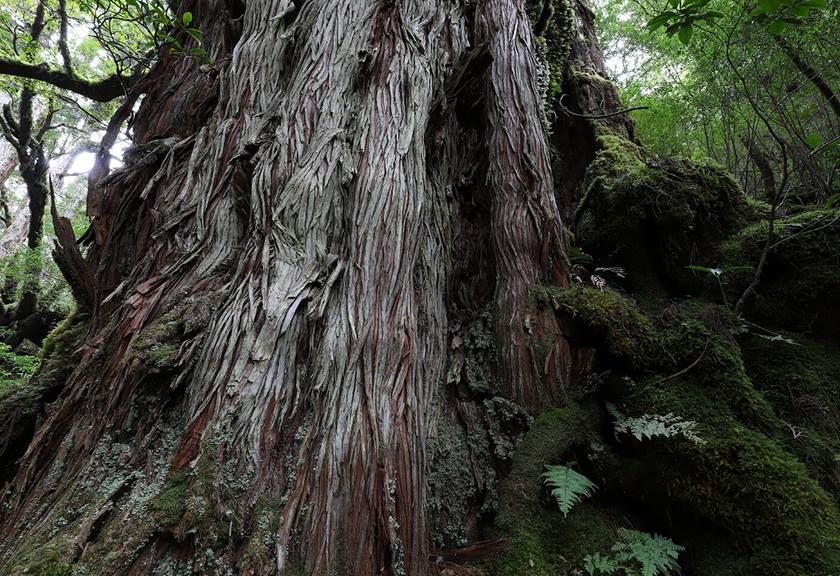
x=700, y=335
x=656, y=215
x=800, y=376
x=22, y=400
x=260, y=551
x=170, y=505
x=49, y=564
x=156, y=347
x=542, y=540
x=741, y=481
x=609, y=321
x=552, y=22
x=801, y=276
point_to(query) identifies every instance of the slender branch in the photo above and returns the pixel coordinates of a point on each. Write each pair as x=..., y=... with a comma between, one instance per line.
x=598, y=116
x=101, y=91
x=687, y=368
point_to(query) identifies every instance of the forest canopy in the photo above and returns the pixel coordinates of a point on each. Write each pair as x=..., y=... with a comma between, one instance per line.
x=419, y=287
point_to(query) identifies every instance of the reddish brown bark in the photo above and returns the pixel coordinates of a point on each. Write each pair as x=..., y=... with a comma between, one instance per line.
x=275, y=270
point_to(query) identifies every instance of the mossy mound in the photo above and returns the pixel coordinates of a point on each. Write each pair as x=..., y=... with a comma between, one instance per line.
x=735, y=492
x=801, y=377
x=739, y=481
x=608, y=320
x=542, y=540
x=656, y=215
x=801, y=275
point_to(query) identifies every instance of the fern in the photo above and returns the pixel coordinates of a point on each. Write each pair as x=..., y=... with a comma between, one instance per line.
x=653, y=554
x=649, y=426
x=597, y=564
x=567, y=486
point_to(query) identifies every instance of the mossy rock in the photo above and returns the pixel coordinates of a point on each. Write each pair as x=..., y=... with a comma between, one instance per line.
x=741, y=499
x=607, y=321
x=699, y=338
x=799, y=282
x=739, y=482
x=656, y=216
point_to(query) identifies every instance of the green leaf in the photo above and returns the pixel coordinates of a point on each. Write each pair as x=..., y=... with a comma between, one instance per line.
x=685, y=33
x=597, y=564
x=776, y=27
x=567, y=486
x=658, y=21
x=813, y=140
x=186, y=18
x=831, y=201
x=195, y=33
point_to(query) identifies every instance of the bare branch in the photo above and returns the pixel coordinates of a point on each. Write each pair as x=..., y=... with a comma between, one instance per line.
x=62, y=37
x=101, y=91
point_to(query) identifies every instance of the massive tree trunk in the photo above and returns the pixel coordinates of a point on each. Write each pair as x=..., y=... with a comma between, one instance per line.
x=284, y=273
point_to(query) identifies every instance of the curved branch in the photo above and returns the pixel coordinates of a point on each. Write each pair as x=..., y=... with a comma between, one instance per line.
x=102, y=91
x=598, y=116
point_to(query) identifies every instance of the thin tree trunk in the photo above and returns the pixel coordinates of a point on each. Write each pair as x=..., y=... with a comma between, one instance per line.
x=811, y=74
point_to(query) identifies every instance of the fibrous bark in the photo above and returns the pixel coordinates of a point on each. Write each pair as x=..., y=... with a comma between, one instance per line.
x=269, y=340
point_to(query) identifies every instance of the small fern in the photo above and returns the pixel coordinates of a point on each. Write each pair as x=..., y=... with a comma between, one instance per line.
x=649, y=426
x=567, y=486
x=597, y=564
x=638, y=553
x=653, y=553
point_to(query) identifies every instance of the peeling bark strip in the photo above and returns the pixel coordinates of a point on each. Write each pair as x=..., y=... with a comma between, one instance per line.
x=271, y=290
x=526, y=223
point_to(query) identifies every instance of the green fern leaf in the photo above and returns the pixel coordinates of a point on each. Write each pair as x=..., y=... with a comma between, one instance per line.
x=655, y=554
x=596, y=564
x=567, y=486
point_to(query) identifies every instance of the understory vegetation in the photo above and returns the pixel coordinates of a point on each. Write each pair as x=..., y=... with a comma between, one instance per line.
x=712, y=432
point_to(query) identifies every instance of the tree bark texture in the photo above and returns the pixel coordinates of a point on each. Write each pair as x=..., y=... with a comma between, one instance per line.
x=285, y=271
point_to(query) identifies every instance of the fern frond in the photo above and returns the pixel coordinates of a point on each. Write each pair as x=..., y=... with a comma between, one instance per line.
x=567, y=486
x=655, y=554
x=595, y=564
x=649, y=426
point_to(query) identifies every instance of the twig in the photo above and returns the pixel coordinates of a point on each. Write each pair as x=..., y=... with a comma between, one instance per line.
x=687, y=368
x=598, y=116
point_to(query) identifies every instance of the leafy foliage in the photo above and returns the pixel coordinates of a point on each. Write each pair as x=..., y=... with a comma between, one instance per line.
x=637, y=553
x=649, y=426
x=15, y=368
x=567, y=486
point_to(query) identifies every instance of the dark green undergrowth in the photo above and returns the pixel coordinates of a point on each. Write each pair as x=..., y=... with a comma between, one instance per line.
x=753, y=490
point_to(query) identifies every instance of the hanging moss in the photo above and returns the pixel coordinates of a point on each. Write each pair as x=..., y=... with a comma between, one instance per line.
x=656, y=213
x=801, y=276
x=553, y=24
